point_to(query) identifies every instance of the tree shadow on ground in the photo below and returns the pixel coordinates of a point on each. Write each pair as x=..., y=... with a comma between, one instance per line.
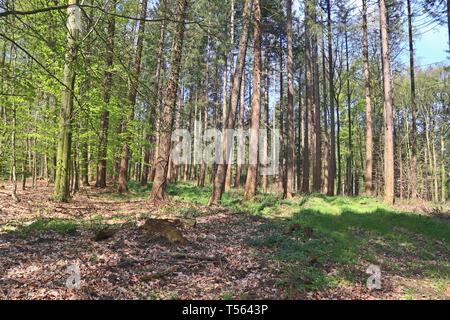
x=319, y=250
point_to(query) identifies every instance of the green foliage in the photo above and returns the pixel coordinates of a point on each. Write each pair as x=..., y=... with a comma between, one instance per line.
x=349, y=234
x=61, y=226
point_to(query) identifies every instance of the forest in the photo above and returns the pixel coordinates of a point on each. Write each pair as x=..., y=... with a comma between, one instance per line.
x=233, y=149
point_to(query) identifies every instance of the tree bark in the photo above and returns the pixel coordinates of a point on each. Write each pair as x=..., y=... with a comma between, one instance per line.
x=231, y=65
x=61, y=190
x=132, y=95
x=369, y=139
x=290, y=108
x=317, y=173
x=265, y=178
x=156, y=108
x=13, y=155
x=160, y=181
x=389, y=196
x=252, y=172
x=240, y=149
x=308, y=98
x=413, y=167
x=282, y=162
x=349, y=184
x=219, y=179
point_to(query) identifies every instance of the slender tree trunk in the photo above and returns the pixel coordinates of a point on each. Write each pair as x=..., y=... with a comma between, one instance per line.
x=282, y=127
x=156, y=109
x=317, y=173
x=231, y=65
x=413, y=181
x=300, y=131
x=332, y=160
x=265, y=179
x=240, y=149
x=104, y=118
x=160, y=181
x=369, y=139
x=339, y=167
x=84, y=164
x=14, y=127
x=443, y=179
x=388, y=114
x=325, y=135
x=75, y=171
x=202, y=177
x=448, y=23
x=290, y=108
x=252, y=172
x=349, y=179
x=61, y=190
x=173, y=168
x=219, y=179
x=435, y=165
x=428, y=158
x=13, y=155
x=132, y=95
x=308, y=97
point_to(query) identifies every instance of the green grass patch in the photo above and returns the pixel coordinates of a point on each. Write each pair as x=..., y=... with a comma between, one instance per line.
x=348, y=234
x=61, y=226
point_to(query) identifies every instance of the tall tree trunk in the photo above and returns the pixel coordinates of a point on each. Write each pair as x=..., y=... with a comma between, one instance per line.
x=332, y=160
x=202, y=177
x=265, y=179
x=428, y=156
x=317, y=173
x=107, y=85
x=300, y=131
x=290, y=108
x=325, y=135
x=155, y=110
x=388, y=114
x=413, y=167
x=132, y=95
x=240, y=149
x=160, y=181
x=349, y=184
x=308, y=97
x=369, y=139
x=84, y=164
x=435, y=165
x=231, y=65
x=14, y=158
x=61, y=191
x=252, y=172
x=448, y=23
x=338, y=150
x=282, y=127
x=443, y=179
x=219, y=179
x=14, y=125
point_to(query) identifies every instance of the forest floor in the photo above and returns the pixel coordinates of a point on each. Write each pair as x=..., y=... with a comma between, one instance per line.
x=310, y=247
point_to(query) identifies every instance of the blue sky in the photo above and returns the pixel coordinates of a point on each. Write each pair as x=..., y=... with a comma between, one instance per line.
x=431, y=47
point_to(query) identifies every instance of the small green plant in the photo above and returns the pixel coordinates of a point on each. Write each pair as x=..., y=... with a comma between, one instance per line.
x=227, y=296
